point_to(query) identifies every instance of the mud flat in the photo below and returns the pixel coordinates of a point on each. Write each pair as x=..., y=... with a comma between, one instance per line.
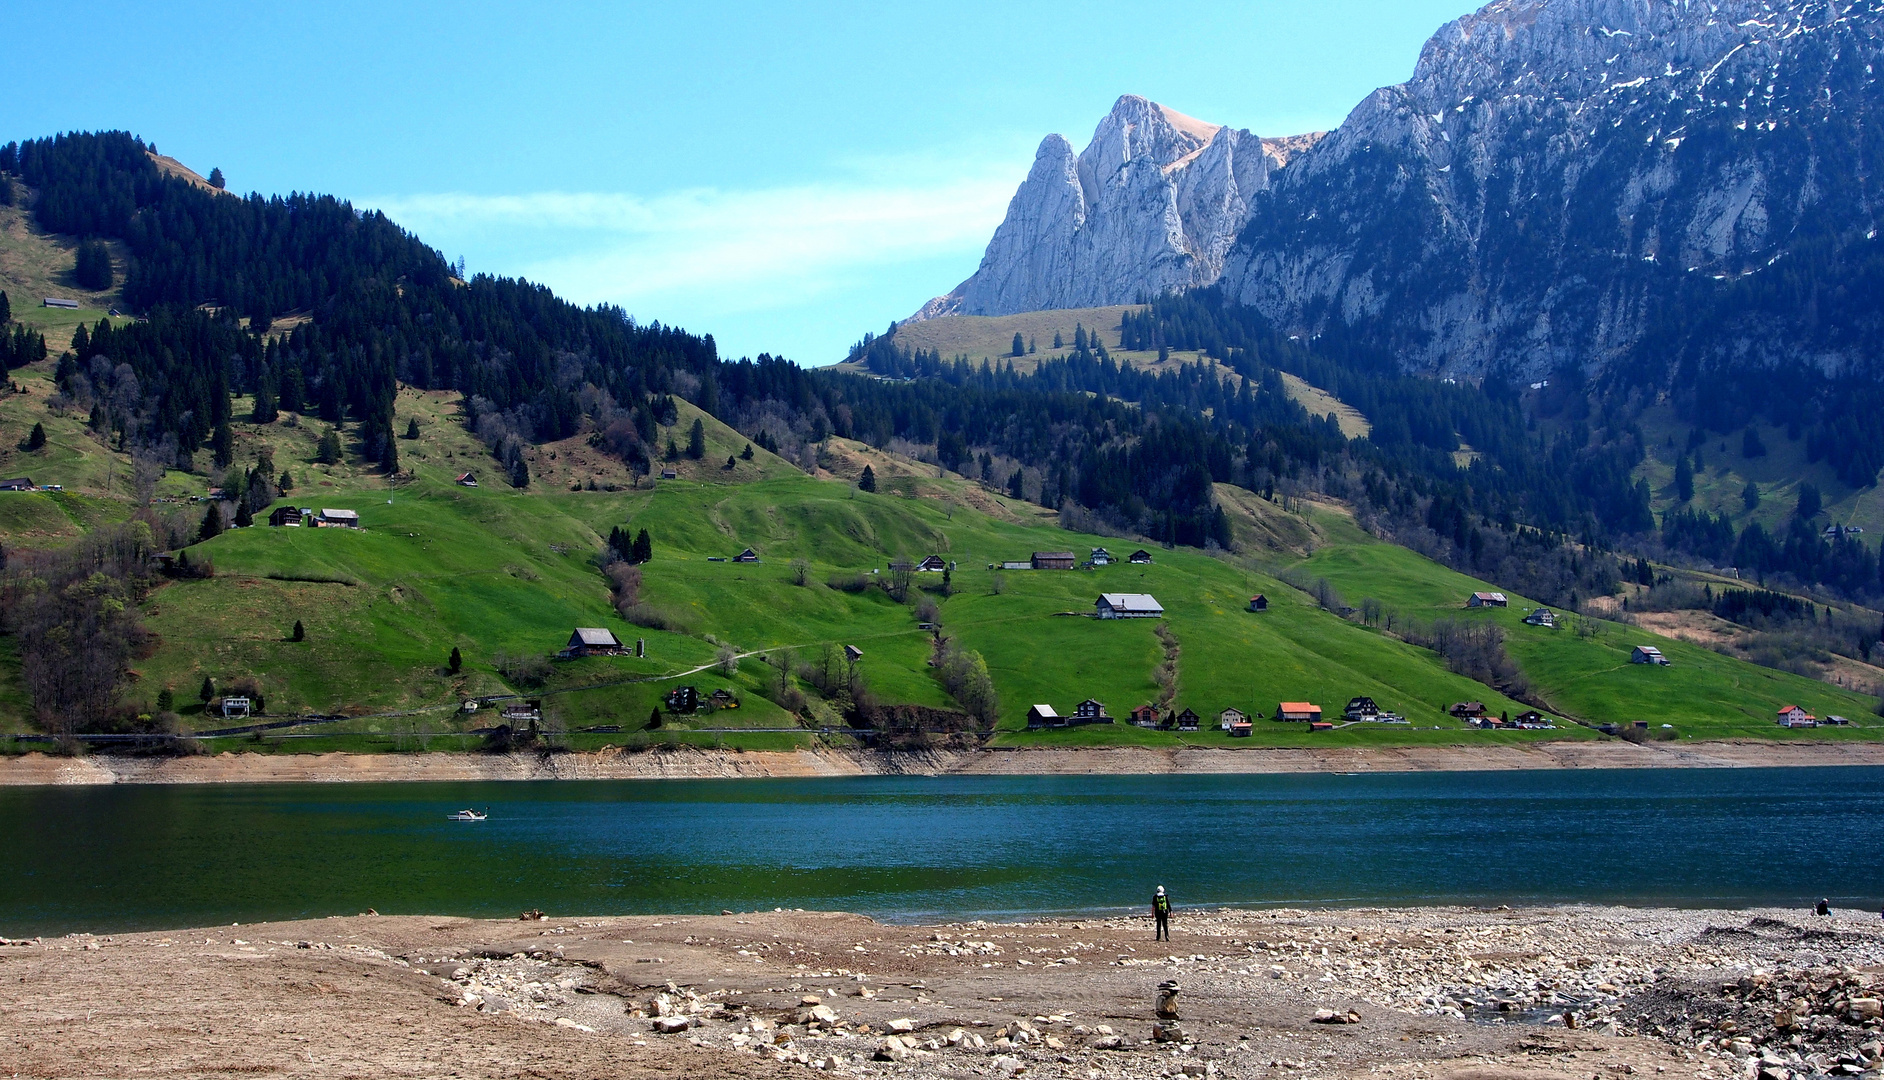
x=689, y=763
x=1464, y=994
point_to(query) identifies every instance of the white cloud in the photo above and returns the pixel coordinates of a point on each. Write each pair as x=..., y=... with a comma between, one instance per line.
x=708, y=249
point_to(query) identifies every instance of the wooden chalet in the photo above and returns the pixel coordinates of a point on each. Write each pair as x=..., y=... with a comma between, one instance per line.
x=1101, y=557
x=1488, y=599
x=1259, y=602
x=1053, y=560
x=337, y=519
x=18, y=483
x=723, y=699
x=1043, y=716
x=1467, y=709
x=290, y=517
x=1141, y=557
x=1542, y=617
x=1090, y=711
x=1188, y=720
x=1533, y=721
x=1298, y=711
x=522, y=712
x=1118, y=605
x=1361, y=708
x=1229, y=718
x=593, y=641
x=747, y=555
x=682, y=700
x=1145, y=716
x=934, y=564
x=467, y=480
x=1648, y=654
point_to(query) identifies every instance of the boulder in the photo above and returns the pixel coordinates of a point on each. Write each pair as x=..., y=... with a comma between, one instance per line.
x=671, y=1025
x=902, y=1024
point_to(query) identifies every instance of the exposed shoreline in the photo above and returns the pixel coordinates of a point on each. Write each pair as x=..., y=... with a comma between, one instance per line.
x=37, y=769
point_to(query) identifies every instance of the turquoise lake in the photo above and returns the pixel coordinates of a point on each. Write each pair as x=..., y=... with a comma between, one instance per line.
x=148, y=857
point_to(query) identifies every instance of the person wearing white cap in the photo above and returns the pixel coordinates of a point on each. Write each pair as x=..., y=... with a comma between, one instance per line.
x=1161, y=910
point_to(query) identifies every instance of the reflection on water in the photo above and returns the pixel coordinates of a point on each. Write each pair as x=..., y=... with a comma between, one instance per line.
x=132, y=856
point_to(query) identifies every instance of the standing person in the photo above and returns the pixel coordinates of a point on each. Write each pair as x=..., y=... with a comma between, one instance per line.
x=1824, y=908
x=1161, y=910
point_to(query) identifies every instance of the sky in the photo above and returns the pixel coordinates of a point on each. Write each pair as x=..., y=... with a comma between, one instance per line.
x=782, y=176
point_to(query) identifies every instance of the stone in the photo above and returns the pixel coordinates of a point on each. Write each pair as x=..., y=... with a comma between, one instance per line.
x=892, y=1049
x=1007, y=1065
x=902, y=1024
x=671, y=1025
x=1167, y=1033
x=1866, y=1008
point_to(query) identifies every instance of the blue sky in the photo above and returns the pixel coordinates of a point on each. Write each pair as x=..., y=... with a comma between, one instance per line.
x=782, y=176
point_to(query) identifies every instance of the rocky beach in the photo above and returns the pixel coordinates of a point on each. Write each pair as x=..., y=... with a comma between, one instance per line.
x=1406, y=994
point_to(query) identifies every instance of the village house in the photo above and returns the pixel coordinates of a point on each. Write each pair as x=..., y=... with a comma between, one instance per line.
x=1298, y=711
x=523, y=712
x=1141, y=557
x=235, y=707
x=1361, y=708
x=1118, y=605
x=1101, y=557
x=1053, y=560
x=1542, y=617
x=1184, y=721
x=287, y=516
x=1145, y=716
x=1648, y=654
x=934, y=564
x=1241, y=729
x=1533, y=721
x=1487, y=599
x=748, y=556
x=1467, y=709
x=1792, y=716
x=1043, y=716
x=18, y=483
x=467, y=480
x=1090, y=711
x=1231, y=717
x=338, y=519
x=1259, y=602
x=593, y=641
x=682, y=700
x=723, y=699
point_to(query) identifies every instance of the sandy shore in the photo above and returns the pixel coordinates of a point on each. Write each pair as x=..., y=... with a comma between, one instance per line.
x=686, y=763
x=1418, y=994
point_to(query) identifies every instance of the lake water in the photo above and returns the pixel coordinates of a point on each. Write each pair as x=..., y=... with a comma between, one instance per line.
x=136, y=857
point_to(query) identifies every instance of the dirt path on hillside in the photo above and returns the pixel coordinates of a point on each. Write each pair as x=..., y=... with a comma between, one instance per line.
x=1426, y=993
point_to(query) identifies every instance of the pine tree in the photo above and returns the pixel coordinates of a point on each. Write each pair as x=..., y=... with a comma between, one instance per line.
x=299, y=633
x=1750, y=496
x=1810, y=502
x=519, y=473
x=92, y=266
x=1684, y=479
x=286, y=483
x=1751, y=445
x=654, y=718
x=412, y=428
x=222, y=445
x=329, y=451
x=215, y=178
x=36, y=439
x=868, y=481
x=746, y=454
x=643, y=549
x=1020, y=347
x=166, y=700
x=264, y=411
x=456, y=663
x=1030, y=347
x=212, y=523
x=696, y=440
x=1058, y=341
x=6, y=309
x=208, y=692
x=243, y=516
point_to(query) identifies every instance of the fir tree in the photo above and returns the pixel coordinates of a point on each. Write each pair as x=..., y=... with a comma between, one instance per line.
x=166, y=700
x=412, y=428
x=1810, y=502
x=1030, y=347
x=92, y=268
x=746, y=454
x=1751, y=445
x=329, y=450
x=35, y=439
x=1684, y=479
x=215, y=178
x=654, y=718
x=1058, y=341
x=1750, y=496
x=243, y=516
x=6, y=307
x=1020, y=347
x=643, y=549
x=286, y=483
x=299, y=633
x=222, y=445
x=456, y=663
x=696, y=440
x=212, y=523
x=868, y=481
x=264, y=411
x=519, y=473
x=208, y=691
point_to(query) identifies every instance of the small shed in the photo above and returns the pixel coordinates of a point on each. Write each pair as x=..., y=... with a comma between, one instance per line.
x=934, y=564
x=235, y=707
x=59, y=302
x=1118, y=605
x=1241, y=729
x=1141, y=557
x=747, y=555
x=467, y=480
x=1043, y=716
x=338, y=519
x=670, y=474
x=1320, y=725
x=1259, y=602
x=1298, y=711
x=1488, y=599
x=723, y=699
x=1053, y=560
x=1145, y=716
x=852, y=653
x=285, y=516
x=1090, y=711
x=1361, y=708
x=1542, y=617
x=593, y=641
x=18, y=483
x=1648, y=654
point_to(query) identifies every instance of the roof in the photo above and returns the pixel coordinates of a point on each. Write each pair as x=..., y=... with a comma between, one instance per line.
x=343, y=515
x=1131, y=601
x=1053, y=555
x=1043, y=710
x=1298, y=706
x=1489, y=595
x=1650, y=649
x=58, y=302
x=1789, y=708
x=595, y=635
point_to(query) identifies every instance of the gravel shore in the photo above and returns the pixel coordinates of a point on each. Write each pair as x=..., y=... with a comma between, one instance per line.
x=1402, y=994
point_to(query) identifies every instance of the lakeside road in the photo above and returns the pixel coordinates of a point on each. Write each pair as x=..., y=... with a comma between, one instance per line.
x=691, y=763
x=1419, y=994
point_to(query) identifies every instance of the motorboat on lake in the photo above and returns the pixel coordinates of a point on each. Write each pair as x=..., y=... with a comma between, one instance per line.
x=468, y=815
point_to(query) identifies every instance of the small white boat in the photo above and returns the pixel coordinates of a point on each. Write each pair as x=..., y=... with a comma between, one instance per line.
x=468, y=815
